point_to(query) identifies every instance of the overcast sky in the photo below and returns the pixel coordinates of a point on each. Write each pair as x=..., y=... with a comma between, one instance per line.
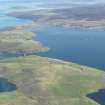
x=60, y=1
x=51, y=3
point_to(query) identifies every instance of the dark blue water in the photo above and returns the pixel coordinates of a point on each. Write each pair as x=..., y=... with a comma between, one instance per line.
x=6, y=86
x=83, y=46
x=98, y=96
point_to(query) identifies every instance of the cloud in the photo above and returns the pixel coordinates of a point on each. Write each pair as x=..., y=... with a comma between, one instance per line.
x=59, y=1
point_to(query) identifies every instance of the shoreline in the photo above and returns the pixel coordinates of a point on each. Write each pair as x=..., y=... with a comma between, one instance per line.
x=67, y=17
x=72, y=23
x=23, y=28
x=43, y=80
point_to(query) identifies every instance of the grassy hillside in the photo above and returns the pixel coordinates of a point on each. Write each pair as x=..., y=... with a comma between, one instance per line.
x=20, y=42
x=43, y=81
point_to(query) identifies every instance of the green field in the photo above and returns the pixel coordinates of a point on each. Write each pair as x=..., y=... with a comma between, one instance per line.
x=44, y=81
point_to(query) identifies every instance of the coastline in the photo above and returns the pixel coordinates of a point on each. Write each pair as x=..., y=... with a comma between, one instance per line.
x=67, y=17
x=21, y=44
x=43, y=80
x=27, y=28
x=53, y=80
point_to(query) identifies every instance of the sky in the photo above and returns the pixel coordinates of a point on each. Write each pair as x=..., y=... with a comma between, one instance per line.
x=41, y=4
x=57, y=1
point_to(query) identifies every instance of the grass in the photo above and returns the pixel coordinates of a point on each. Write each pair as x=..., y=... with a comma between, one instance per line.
x=15, y=98
x=44, y=81
x=20, y=42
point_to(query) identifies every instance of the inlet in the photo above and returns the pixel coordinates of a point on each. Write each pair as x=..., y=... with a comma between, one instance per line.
x=98, y=96
x=6, y=86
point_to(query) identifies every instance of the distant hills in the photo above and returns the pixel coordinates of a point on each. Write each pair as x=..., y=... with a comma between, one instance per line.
x=93, y=12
